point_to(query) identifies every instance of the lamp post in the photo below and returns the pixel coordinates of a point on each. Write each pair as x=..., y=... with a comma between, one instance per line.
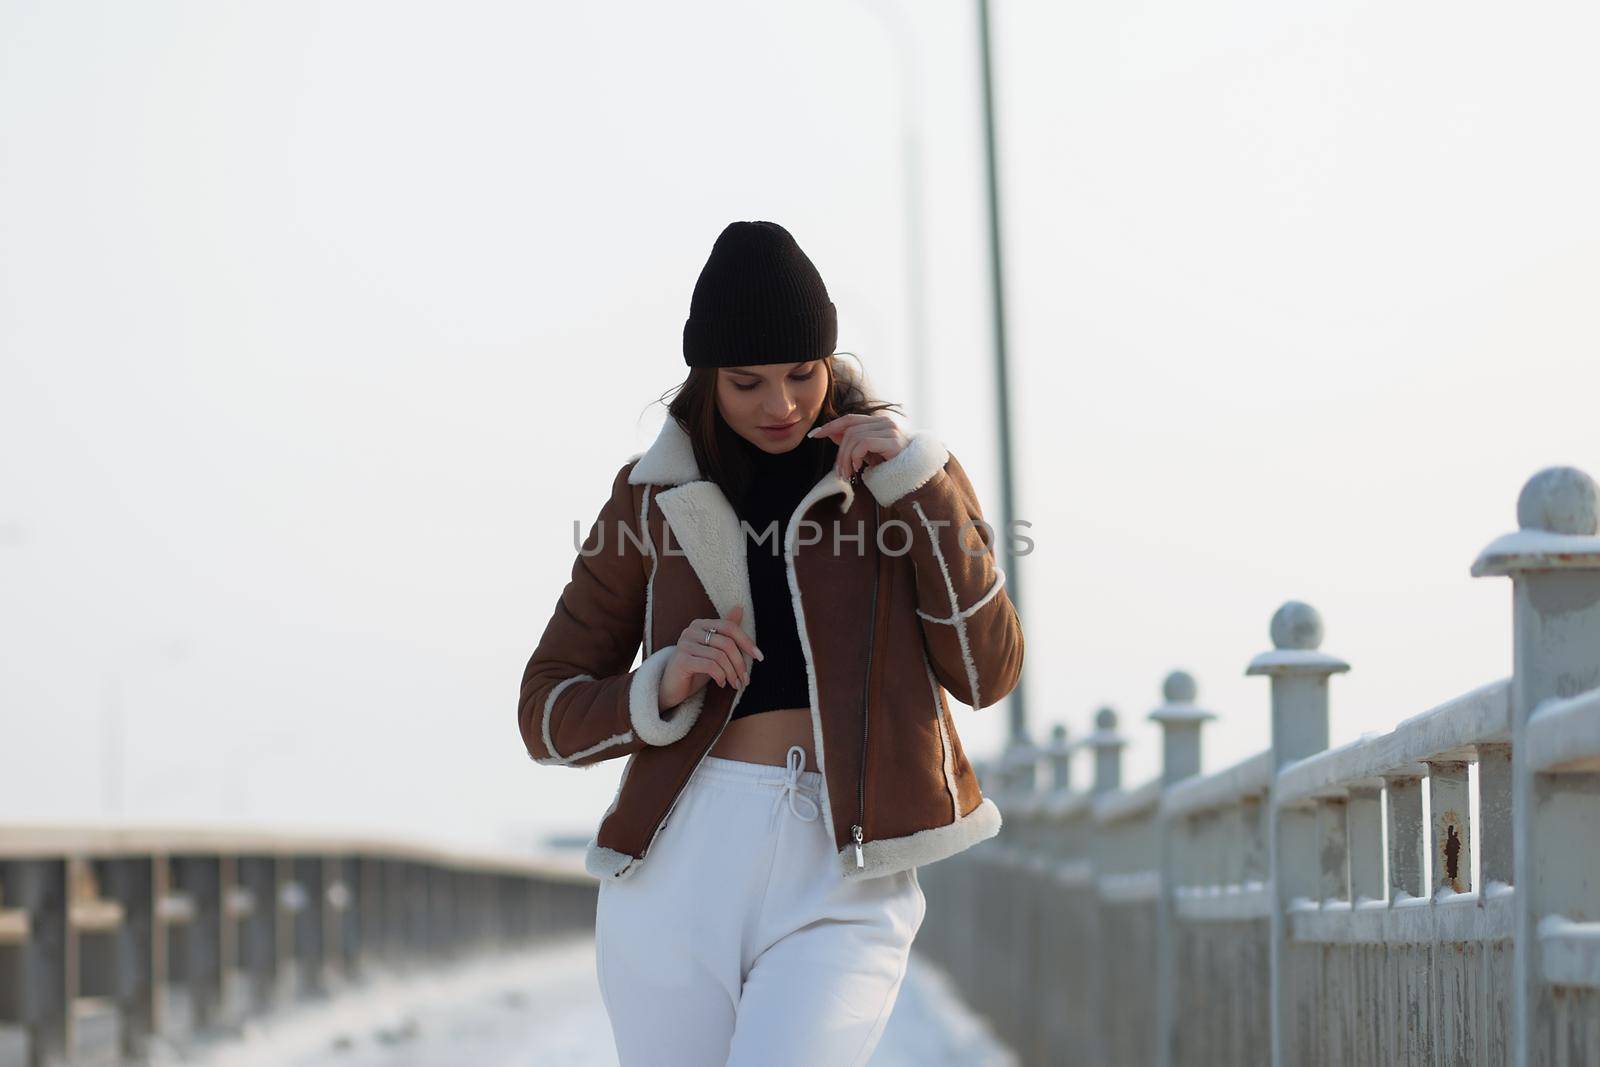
x=911, y=173
x=1018, y=705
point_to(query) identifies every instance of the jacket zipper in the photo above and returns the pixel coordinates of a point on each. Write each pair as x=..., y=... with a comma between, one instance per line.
x=682, y=788
x=731, y=708
x=856, y=830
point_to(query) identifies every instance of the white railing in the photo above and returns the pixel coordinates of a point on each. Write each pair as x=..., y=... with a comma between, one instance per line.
x=1428, y=896
x=140, y=943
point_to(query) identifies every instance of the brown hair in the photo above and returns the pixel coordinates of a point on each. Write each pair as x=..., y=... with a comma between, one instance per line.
x=716, y=445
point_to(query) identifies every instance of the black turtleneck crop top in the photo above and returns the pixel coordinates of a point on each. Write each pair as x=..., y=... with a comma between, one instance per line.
x=780, y=480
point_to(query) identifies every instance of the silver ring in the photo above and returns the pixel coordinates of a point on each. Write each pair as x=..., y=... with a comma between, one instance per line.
x=705, y=638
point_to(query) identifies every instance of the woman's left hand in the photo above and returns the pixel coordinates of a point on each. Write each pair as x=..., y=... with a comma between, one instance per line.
x=862, y=438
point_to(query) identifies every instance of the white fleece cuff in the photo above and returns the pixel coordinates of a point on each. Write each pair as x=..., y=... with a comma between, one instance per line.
x=919, y=461
x=644, y=703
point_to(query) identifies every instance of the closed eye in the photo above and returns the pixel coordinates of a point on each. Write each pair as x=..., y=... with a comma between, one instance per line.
x=806, y=377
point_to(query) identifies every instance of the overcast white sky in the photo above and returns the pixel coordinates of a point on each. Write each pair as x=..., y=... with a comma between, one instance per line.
x=321, y=323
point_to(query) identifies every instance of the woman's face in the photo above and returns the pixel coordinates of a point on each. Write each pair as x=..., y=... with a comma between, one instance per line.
x=772, y=405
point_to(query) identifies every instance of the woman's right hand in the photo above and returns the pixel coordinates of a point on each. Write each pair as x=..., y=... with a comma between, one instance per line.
x=707, y=649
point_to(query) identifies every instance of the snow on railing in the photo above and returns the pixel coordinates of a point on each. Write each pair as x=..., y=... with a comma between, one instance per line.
x=1428, y=894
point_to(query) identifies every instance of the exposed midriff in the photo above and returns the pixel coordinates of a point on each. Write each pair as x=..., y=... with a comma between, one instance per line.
x=766, y=738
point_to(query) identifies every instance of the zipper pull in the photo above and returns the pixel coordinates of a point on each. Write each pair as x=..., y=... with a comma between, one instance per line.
x=855, y=832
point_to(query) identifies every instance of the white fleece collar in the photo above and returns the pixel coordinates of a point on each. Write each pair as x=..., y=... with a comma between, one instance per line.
x=669, y=461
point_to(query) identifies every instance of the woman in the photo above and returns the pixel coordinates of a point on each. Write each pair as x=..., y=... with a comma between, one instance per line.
x=758, y=863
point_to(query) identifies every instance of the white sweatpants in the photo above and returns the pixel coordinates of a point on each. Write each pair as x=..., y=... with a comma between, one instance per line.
x=738, y=942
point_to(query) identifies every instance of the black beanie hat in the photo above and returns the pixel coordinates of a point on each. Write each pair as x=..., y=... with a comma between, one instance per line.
x=759, y=299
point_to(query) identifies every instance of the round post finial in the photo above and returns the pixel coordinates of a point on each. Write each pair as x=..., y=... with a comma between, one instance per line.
x=1180, y=723
x=1179, y=688
x=1296, y=624
x=1296, y=631
x=1299, y=670
x=1558, y=515
x=1562, y=500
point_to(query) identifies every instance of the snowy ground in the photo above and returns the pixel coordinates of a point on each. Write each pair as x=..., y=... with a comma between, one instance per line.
x=544, y=1009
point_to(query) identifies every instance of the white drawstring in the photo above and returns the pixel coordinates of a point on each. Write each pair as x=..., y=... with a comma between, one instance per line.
x=790, y=787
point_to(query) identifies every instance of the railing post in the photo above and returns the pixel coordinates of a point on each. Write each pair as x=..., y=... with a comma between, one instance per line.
x=1055, y=944
x=311, y=947
x=1494, y=816
x=1107, y=745
x=38, y=886
x=258, y=947
x=131, y=883
x=200, y=878
x=1449, y=810
x=1180, y=721
x=1333, y=835
x=971, y=940
x=288, y=897
x=1299, y=674
x=1017, y=941
x=1553, y=561
x=1060, y=753
x=1019, y=768
x=1407, y=842
x=1365, y=816
x=1451, y=840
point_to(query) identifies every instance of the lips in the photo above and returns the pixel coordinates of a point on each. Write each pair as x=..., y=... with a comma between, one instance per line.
x=783, y=425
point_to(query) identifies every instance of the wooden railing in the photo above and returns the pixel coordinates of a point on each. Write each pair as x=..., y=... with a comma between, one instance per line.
x=1429, y=896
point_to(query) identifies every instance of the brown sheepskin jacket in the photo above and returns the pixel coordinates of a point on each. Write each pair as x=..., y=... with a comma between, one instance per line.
x=928, y=607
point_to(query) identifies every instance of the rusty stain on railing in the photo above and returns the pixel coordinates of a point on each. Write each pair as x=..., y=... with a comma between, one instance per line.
x=1452, y=850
